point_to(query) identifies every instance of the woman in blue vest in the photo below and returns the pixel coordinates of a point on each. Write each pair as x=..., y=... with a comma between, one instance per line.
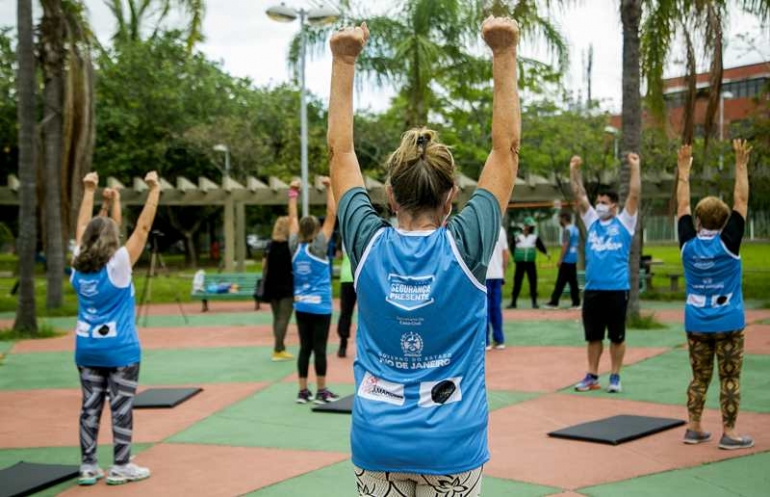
x=420, y=410
x=107, y=350
x=308, y=242
x=713, y=315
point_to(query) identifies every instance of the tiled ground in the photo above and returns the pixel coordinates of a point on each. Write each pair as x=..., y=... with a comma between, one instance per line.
x=244, y=435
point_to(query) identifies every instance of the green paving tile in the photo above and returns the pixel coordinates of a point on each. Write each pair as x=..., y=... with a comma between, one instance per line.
x=196, y=319
x=5, y=346
x=159, y=367
x=271, y=418
x=744, y=476
x=337, y=480
x=499, y=399
x=664, y=379
x=59, y=455
x=570, y=334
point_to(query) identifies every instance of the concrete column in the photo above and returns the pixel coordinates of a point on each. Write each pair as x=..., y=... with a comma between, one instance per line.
x=240, y=236
x=229, y=234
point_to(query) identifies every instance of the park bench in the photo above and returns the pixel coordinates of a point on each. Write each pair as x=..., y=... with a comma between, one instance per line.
x=225, y=286
x=674, y=281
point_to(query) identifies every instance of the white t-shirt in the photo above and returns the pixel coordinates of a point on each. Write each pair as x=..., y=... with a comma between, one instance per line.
x=495, y=270
x=626, y=219
x=118, y=267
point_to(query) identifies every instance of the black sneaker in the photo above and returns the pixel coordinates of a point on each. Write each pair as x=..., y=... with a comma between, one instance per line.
x=326, y=396
x=304, y=396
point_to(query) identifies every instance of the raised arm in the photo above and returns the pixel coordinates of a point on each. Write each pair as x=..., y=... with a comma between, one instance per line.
x=576, y=182
x=635, y=184
x=138, y=240
x=117, y=208
x=294, y=188
x=86, y=206
x=684, y=164
x=741, y=193
x=331, y=210
x=499, y=173
x=343, y=163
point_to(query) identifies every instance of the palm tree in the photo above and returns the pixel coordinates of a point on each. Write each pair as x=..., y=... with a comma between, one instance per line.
x=67, y=128
x=631, y=120
x=52, y=55
x=419, y=42
x=133, y=17
x=701, y=19
x=26, y=320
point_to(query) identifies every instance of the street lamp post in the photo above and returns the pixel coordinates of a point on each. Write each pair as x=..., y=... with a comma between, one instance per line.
x=722, y=97
x=317, y=16
x=226, y=150
x=612, y=130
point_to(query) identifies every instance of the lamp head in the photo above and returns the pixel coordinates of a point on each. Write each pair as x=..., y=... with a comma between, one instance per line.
x=220, y=148
x=611, y=130
x=282, y=13
x=322, y=16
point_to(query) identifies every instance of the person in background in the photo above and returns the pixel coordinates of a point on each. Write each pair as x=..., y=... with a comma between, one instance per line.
x=420, y=416
x=714, y=315
x=308, y=242
x=107, y=349
x=279, y=285
x=525, y=247
x=608, y=245
x=347, y=303
x=570, y=240
x=495, y=280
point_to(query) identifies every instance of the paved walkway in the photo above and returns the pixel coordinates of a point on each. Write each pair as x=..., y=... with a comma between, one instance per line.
x=244, y=435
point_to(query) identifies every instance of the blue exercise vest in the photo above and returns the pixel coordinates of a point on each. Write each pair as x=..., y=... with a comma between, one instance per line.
x=312, y=282
x=714, y=293
x=571, y=257
x=420, y=404
x=607, y=249
x=106, y=326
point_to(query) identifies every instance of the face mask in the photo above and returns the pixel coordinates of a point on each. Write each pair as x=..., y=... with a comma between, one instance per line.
x=603, y=211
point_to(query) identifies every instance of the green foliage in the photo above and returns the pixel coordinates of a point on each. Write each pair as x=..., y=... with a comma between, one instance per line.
x=645, y=322
x=44, y=330
x=8, y=117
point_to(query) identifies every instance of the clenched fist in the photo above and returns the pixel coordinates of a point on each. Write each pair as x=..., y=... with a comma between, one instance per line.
x=500, y=33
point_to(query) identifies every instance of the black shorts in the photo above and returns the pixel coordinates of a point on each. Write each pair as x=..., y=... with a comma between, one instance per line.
x=605, y=309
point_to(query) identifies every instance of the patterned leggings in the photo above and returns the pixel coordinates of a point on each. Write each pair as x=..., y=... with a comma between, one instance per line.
x=728, y=348
x=120, y=385
x=381, y=484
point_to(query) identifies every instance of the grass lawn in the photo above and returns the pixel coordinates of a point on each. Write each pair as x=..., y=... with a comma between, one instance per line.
x=166, y=287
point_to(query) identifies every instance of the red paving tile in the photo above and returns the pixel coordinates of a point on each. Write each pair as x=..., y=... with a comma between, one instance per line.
x=758, y=339
x=213, y=471
x=521, y=450
x=547, y=369
x=176, y=338
x=24, y=423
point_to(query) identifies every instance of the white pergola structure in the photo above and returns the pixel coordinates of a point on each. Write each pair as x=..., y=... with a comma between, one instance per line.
x=234, y=197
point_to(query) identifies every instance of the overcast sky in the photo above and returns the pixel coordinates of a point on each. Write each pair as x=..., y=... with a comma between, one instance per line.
x=248, y=43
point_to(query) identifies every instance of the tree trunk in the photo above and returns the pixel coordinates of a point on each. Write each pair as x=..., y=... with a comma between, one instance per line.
x=631, y=14
x=52, y=32
x=26, y=319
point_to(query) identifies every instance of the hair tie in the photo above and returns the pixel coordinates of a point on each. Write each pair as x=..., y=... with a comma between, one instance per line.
x=422, y=141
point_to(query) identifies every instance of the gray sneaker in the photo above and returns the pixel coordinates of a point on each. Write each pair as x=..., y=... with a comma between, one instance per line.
x=120, y=474
x=727, y=443
x=692, y=437
x=90, y=474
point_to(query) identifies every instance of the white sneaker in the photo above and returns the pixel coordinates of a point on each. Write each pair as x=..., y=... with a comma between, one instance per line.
x=500, y=346
x=126, y=473
x=488, y=347
x=90, y=474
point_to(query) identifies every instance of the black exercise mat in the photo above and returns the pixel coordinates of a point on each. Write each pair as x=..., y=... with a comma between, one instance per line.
x=342, y=406
x=154, y=398
x=26, y=478
x=617, y=429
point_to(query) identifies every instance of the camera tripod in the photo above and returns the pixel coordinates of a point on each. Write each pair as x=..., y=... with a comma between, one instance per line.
x=155, y=260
